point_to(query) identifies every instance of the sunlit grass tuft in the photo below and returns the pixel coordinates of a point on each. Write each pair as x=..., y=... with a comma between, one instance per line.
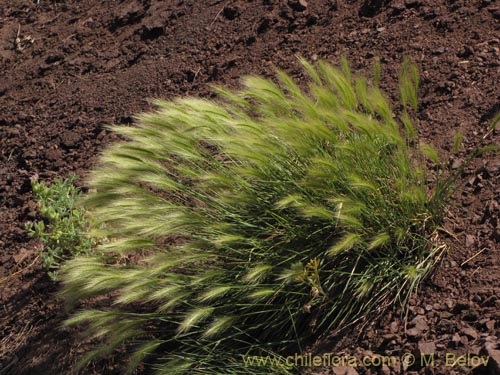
x=295, y=212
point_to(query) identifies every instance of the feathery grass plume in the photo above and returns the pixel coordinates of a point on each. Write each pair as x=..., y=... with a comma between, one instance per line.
x=257, y=221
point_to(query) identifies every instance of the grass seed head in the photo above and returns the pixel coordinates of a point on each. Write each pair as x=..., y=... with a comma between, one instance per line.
x=292, y=211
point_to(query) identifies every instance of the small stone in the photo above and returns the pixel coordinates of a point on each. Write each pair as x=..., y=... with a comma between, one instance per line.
x=298, y=5
x=394, y=327
x=53, y=154
x=449, y=303
x=470, y=332
x=101, y=135
x=389, y=337
x=420, y=323
x=470, y=240
x=426, y=348
x=490, y=325
x=385, y=370
x=490, y=342
x=437, y=307
x=31, y=210
x=367, y=353
x=398, y=5
x=414, y=332
x=69, y=139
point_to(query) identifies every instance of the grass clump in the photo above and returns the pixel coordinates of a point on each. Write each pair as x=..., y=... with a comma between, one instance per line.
x=63, y=230
x=257, y=221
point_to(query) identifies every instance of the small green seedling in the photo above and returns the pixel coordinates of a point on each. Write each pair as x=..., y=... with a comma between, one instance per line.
x=62, y=232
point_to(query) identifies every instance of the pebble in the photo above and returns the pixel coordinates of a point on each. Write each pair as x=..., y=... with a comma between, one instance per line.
x=31, y=210
x=69, y=139
x=389, y=337
x=414, y=332
x=490, y=325
x=437, y=307
x=420, y=323
x=398, y=5
x=470, y=332
x=299, y=5
x=385, y=370
x=53, y=154
x=449, y=303
x=470, y=240
x=426, y=348
x=394, y=327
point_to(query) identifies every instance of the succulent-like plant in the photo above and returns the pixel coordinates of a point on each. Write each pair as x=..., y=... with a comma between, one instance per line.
x=258, y=220
x=63, y=234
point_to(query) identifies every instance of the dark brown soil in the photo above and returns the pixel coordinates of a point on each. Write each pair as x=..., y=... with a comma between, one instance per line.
x=69, y=67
